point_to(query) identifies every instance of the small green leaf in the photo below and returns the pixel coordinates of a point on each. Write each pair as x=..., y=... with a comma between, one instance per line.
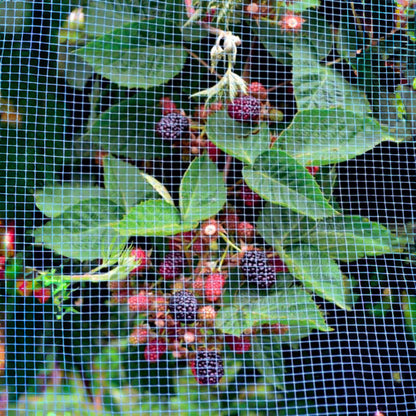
x=300, y=6
x=278, y=178
x=83, y=231
x=237, y=139
x=152, y=218
x=125, y=183
x=158, y=187
x=54, y=200
x=268, y=359
x=317, y=271
x=202, y=192
x=134, y=57
x=321, y=137
x=349, y=238
x=292, y=306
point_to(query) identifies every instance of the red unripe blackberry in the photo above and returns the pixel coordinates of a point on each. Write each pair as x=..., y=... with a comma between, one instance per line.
x=168, y=106
x=154, y=350
x=139, y=255
x=139, y=303
x=213, y=286
x=313, y=170
x=250, y=198
x=246, y=231
x=256, y=268
x=172, y=265
x=246, y=108
x=208, y=367
x=24, y=287
x=42, y=295
x=139, y=335
x=172, y=126
x=183, y=306
x=238, y=344
x=278, y=264
x=213, y=151
x=257, y=90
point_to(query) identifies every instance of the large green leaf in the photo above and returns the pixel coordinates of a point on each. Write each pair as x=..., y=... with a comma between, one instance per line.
x=292, y=306
x=321, y=86
x=127, y=129
x=152, y=218
x=280, y=226
x=125, y=183
x=83, y=231
x=53, y=200
x=202, y=192
x=349, y=238
x=267, y=356
x=136, y=55
x=240, y=140
x=278, y=178
x=321, y=137
x=15, y=15
x=317, y=271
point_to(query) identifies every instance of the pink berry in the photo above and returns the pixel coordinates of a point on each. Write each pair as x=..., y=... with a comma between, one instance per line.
x=168, y=106
x=313, y=170
x=213, y=286
x=139, y=303
x=172, y=265
x=139, y=255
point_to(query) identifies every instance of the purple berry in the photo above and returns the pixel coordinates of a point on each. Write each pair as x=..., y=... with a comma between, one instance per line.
x=172, y=265
x=255, y=266
x=183, y=306
x=172, y=126
x=246, y=108
x=208, y=367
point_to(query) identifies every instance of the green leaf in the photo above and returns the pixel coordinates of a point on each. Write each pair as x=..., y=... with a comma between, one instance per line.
x=158, y=187
x=268, y=359
x=280, y=226
x=292, y=306
x=321, y=137
x=132, y=121
x=321, y=86
x=317, y=271
x=300, y=6
x=408, y=303
x=349, y=238
x=202, y=192
x=136, y=57
x=240, y=140
x=14, y=15
x=280, y=43
x=54, y=200
x=278, y=178
x=125, y=183
x=152, y=218
x=83, y=231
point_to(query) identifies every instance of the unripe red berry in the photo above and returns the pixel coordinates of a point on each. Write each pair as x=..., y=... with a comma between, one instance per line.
x=278, y=264
x=257, y=90
x=246, y=231
x=139, y=335
x=25, y=287
x=239, y=345
x=139, y=303
x=141, y=256
x=213, y=286
x=168, y=106
x=313, y=170
x=154, y=350
x=213, y=151
x=250, y=198
x=207, y=314
x=42, y=295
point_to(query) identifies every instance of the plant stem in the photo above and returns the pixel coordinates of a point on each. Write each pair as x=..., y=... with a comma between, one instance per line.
x=229, y=242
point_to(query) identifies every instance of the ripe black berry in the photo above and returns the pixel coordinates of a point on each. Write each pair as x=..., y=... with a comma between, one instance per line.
x=257, y=269
x=172, y=126
x=172, y=265
x=208, y=367
x=246, y=108
x=184, y=306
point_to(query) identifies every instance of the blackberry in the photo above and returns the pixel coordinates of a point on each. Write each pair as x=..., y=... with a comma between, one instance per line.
x=172, y=265
x=246, y=108
x=208, y=367
x=257, y=269
x=184, y=306
x=172, y=126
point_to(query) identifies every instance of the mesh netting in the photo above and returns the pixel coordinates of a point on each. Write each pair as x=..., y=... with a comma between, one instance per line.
x=207, y=207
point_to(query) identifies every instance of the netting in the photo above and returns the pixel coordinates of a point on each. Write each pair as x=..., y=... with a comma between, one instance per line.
x=207, y=207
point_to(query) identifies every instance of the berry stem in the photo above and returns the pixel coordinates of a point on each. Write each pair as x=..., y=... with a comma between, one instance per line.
x=229, y=242
x=223, y=257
